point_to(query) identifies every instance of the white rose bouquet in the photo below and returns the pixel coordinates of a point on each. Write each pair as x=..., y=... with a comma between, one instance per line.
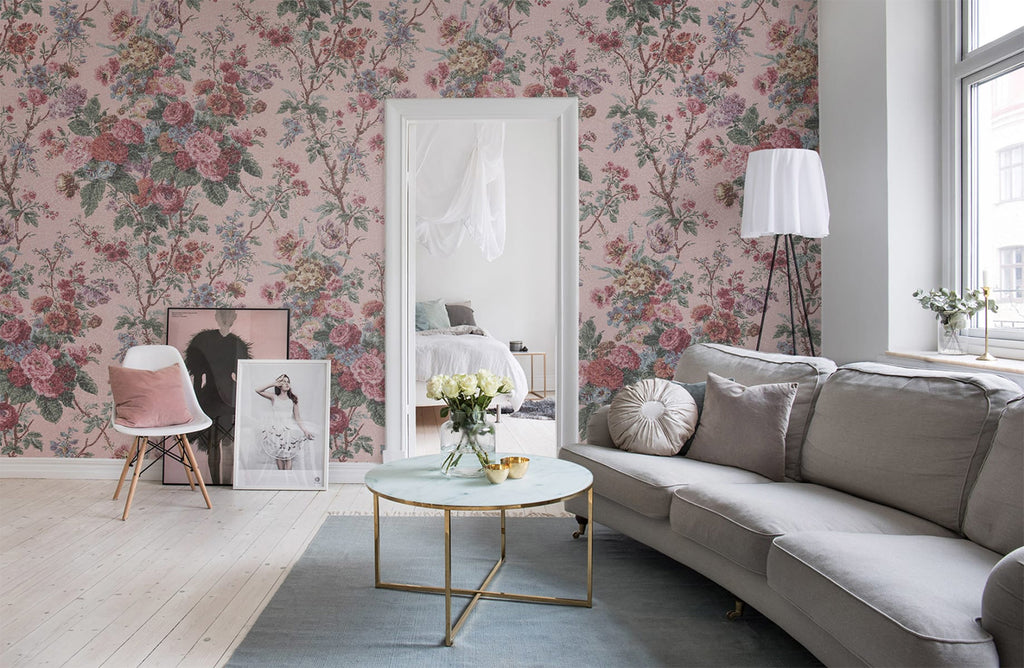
x=466, y=398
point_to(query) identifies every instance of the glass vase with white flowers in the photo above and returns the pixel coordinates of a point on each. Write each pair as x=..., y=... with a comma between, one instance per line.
x=467, y=436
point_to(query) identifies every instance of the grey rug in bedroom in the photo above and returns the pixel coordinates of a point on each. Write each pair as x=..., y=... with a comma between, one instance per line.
x=648, y=610
x=534, y=409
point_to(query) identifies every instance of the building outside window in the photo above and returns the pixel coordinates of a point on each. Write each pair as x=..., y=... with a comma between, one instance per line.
x=1011, y=271
x=1011, y=173
x=986, y=103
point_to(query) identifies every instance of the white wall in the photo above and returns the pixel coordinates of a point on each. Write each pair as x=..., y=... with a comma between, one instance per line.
x=914, y=95
x=854, y=257
x=514, y=296
x=879, y=88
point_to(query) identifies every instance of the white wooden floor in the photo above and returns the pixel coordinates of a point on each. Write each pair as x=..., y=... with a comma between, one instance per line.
x=175, y=585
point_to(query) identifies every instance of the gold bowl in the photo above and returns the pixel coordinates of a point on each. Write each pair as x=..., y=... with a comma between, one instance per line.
x=516, y=466
x=496, y=473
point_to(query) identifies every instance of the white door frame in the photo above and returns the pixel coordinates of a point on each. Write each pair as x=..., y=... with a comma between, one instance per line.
x=400, y=256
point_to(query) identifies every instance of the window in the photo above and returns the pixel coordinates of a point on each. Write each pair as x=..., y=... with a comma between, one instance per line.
x=1011, y=272
x=1011, y=173
x=986, y=209
x=985, y=21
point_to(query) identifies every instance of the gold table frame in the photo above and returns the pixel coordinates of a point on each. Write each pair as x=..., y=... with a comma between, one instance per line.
x=480, y=592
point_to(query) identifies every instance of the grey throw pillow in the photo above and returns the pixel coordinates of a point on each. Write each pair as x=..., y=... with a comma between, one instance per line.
x=652, y=417
x=744, y=426
x=696, y=391
x=460, y=314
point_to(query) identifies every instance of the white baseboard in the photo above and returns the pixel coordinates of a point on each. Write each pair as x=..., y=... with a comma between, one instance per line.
x=67, y=468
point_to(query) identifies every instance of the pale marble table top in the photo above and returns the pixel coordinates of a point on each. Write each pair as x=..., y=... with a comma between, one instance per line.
x=419, y=481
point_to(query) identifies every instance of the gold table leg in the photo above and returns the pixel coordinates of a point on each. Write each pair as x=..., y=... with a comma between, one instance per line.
x=449, y=637
x=480, y=592
x=590, y=549
x=376, y=540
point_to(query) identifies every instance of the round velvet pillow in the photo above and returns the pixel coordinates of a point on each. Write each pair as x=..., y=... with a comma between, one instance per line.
x=652, y=417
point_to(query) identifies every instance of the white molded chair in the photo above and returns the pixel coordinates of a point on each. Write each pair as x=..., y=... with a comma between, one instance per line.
x=153, y=358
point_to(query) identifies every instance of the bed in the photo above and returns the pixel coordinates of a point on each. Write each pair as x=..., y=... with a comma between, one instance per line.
x=465, y=349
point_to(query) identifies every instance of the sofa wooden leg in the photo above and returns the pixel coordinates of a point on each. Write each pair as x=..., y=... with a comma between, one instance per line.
x=582, y=521
x=736, y=612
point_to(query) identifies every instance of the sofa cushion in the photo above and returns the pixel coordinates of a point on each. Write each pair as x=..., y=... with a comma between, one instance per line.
x=644, y=483
x=739, y=522
x=995, y=508
x=652, y=417
x=597, y=428
x=892, y=600
x=1002, y=607
x=697, y=391
x=751, y=367
x=909, y=438
x=745, y=426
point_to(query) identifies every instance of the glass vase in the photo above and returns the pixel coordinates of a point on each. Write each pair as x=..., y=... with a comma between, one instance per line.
x=466, y=445
x=949, y=341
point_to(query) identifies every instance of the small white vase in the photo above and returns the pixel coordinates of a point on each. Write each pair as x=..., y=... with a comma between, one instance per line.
x=949, y=341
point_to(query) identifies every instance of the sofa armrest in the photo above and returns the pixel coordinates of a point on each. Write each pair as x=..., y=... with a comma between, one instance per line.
x=597, y=428
x=1002, y=608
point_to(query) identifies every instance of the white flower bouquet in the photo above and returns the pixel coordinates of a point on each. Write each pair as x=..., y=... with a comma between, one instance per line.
x=466, y=398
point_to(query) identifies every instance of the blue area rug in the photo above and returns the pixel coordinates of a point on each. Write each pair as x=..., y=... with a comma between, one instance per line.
x=648, y=609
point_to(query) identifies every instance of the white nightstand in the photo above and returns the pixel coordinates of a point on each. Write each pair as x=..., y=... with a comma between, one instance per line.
x=533, y=385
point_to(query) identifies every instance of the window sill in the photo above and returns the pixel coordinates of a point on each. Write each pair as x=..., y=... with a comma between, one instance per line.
x=1007, y=368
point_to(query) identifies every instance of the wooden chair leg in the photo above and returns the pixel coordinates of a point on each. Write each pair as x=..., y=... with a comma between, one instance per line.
x=139, y=461
x=195, y=469
x=188, y=469
x=127, y=464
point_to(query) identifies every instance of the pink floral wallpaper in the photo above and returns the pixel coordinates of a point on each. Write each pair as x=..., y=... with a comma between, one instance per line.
x=230, y=153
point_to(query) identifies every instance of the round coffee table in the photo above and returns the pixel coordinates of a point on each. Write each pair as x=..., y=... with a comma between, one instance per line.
x=418, y=481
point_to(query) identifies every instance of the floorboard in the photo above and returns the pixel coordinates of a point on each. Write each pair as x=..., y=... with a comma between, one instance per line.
x=177, y=584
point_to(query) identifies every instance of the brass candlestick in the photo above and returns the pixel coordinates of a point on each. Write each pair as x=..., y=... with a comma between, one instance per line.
x=986, y=356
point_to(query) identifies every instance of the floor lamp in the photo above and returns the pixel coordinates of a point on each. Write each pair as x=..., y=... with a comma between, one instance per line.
x=784, y=194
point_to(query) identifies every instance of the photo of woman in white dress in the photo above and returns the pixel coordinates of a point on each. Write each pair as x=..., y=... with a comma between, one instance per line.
x=283, y=434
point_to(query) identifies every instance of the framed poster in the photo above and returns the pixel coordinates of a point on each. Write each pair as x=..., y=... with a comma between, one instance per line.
x=212, y=340
x=282, y=433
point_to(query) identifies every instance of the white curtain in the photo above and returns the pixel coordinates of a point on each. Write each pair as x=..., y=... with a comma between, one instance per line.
x=459, y=172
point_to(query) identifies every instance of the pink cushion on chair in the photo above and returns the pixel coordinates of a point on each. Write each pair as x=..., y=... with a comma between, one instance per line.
x=144, y=398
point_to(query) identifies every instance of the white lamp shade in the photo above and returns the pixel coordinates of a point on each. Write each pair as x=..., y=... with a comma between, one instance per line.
x=784, y=193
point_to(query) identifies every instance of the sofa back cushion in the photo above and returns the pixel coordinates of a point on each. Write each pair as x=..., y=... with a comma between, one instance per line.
x=909, y=438
x=995, y=509
x=751, y=367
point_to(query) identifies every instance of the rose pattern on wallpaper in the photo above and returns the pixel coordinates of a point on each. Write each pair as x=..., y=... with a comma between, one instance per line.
x=203, y=153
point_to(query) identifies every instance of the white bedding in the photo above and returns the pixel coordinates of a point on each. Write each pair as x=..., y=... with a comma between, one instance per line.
x=443, y=351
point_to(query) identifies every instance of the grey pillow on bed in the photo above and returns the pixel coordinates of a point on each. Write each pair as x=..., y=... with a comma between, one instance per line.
x=460, y=314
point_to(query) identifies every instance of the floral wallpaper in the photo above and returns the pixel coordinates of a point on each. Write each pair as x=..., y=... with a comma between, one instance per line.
x=230, y=153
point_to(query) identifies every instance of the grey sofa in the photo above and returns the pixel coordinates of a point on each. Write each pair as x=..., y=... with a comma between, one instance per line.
x=895, y=539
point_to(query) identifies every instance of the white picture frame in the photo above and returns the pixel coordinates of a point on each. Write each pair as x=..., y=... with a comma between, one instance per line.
x=273, y=450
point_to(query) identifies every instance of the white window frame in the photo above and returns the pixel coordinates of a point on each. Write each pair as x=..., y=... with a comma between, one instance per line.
x=960, y=70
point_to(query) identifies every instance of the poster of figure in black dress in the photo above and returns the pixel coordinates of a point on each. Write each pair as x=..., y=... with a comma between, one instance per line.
x=212, y=341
